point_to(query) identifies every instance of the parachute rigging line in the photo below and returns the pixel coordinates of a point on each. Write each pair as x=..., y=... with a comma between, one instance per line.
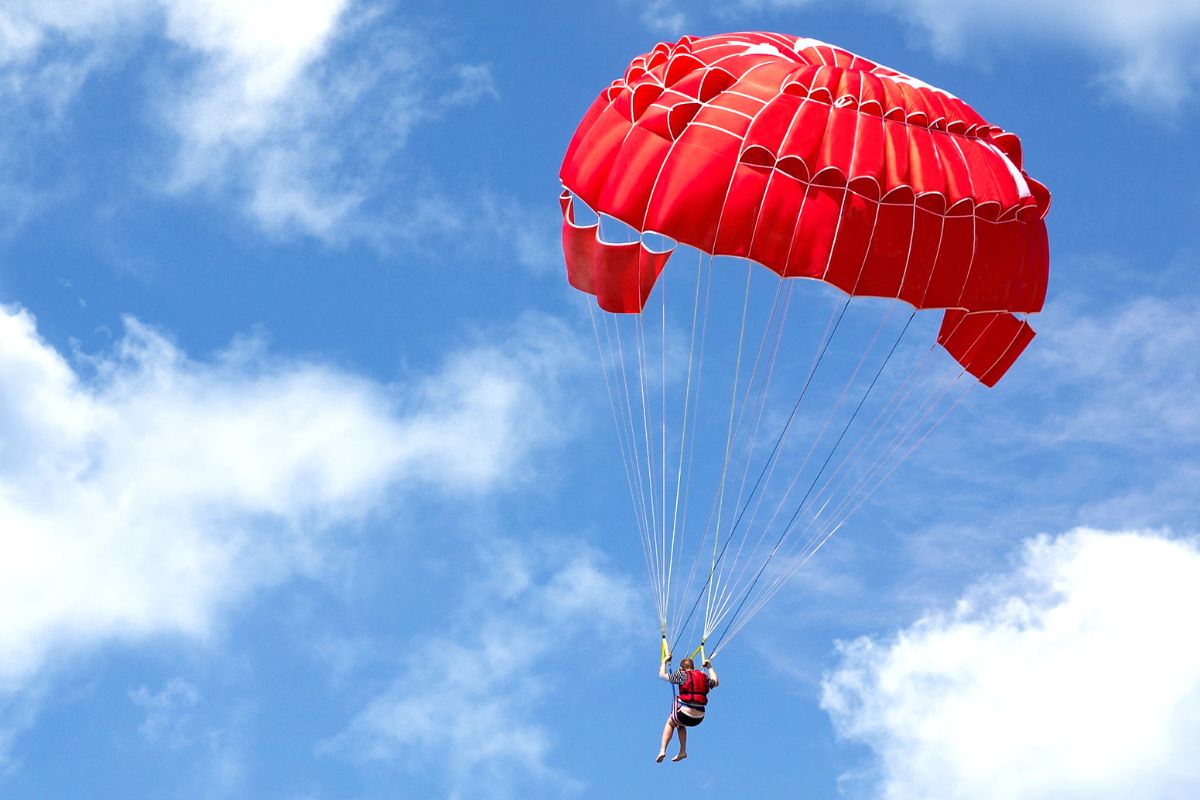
x=813, y=162
x=826, y=340
x=791, y=522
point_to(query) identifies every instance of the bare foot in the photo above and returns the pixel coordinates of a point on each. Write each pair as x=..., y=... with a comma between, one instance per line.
x=680, y=757
x=661, y=756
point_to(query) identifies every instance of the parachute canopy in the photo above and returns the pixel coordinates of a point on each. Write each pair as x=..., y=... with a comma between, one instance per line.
x=818, y=163
x=750, y=432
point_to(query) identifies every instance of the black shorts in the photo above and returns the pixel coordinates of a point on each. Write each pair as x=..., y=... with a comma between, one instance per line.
x=685, y=720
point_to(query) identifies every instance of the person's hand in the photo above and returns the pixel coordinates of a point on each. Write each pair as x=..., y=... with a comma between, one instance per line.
x=707, y=663
x=667, y=660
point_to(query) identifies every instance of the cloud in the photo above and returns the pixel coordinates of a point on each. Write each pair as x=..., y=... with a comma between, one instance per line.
x=143, y=492
x=663, y=17
x=168, y=711
x=1148, y=50
x=533, y=233
x=301, y=112
x=1129, y=364
x=298, y=110
x=473, y=702
x=1075, y=675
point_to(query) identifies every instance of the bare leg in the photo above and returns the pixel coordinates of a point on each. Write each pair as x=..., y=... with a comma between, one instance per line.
x=682, y=745
x=666, y=738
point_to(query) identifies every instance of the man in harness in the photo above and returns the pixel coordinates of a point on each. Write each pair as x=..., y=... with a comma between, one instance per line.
x=688, y=711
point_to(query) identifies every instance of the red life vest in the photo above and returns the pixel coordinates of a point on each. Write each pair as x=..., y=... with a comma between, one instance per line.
x=695, y=689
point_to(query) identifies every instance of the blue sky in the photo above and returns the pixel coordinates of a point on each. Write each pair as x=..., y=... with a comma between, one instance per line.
x=308, y=488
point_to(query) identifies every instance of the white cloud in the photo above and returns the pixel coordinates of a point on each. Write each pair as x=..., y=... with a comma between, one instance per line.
x=1132, y=364
x=298, y=109
x=148, y=494
x=1077, y=675
x=1147, y=52
x=663, y=17
x=1148, y=49
x=533, y=233
x=473, y=702
x=168, y=711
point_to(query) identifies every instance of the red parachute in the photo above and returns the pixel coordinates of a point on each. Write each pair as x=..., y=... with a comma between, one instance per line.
x=816, y=163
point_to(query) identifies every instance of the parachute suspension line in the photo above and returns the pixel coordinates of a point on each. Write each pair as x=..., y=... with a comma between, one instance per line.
x=772, y=359
x=612, y=408
x=647, y=515
x=770, y=343
x=699, y=371
x=831, y=328
x=652, y=489
x=768, y=469
x=753, y=402
x=731, y=592
x=796, y=514
x=683, y=436
x=728, y=438
x=907, y=430
x=857, y=499
x=667, y=557
x=624, y=416
x=849, y=466
x=626, y=459
x=839, y=519
x=866, y=441
x=902, y=438
x=841, y=515
x=811, y=450
x=772, y=333
x=806, y=555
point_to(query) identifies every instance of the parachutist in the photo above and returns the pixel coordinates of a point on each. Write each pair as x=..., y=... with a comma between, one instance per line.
x=688, y=710
x=800, y=159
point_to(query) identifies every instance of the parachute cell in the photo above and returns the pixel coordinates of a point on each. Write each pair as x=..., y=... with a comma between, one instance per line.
x=813, y=162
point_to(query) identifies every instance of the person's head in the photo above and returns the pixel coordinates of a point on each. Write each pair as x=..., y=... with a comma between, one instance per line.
x=687, y=663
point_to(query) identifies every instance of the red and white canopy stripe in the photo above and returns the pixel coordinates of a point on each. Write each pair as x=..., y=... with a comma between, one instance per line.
x=816, y=163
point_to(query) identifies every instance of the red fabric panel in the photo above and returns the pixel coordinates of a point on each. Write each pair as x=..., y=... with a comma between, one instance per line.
x=985, y=343
x=807, y=132
x=586, y=125
x=812, y=243
x=691, y=189
x=750, y=151
x=777, y=222
x=924, y=169
x=895, y=155
x=959, y=185
x=997, y=252
x=927, y=235
x=773, y=122
x=621, y=276
x=848, y=260
x=889, y=250
x=742, y=209
x=587, y=172
x=955, y=253
x=636, y=165
x=1029, y=289
x=714, y=115
x=868, y=157
x=839, y=143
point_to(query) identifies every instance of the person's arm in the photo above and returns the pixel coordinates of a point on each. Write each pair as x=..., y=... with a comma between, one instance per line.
x=712, y=674
x=662, y=668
